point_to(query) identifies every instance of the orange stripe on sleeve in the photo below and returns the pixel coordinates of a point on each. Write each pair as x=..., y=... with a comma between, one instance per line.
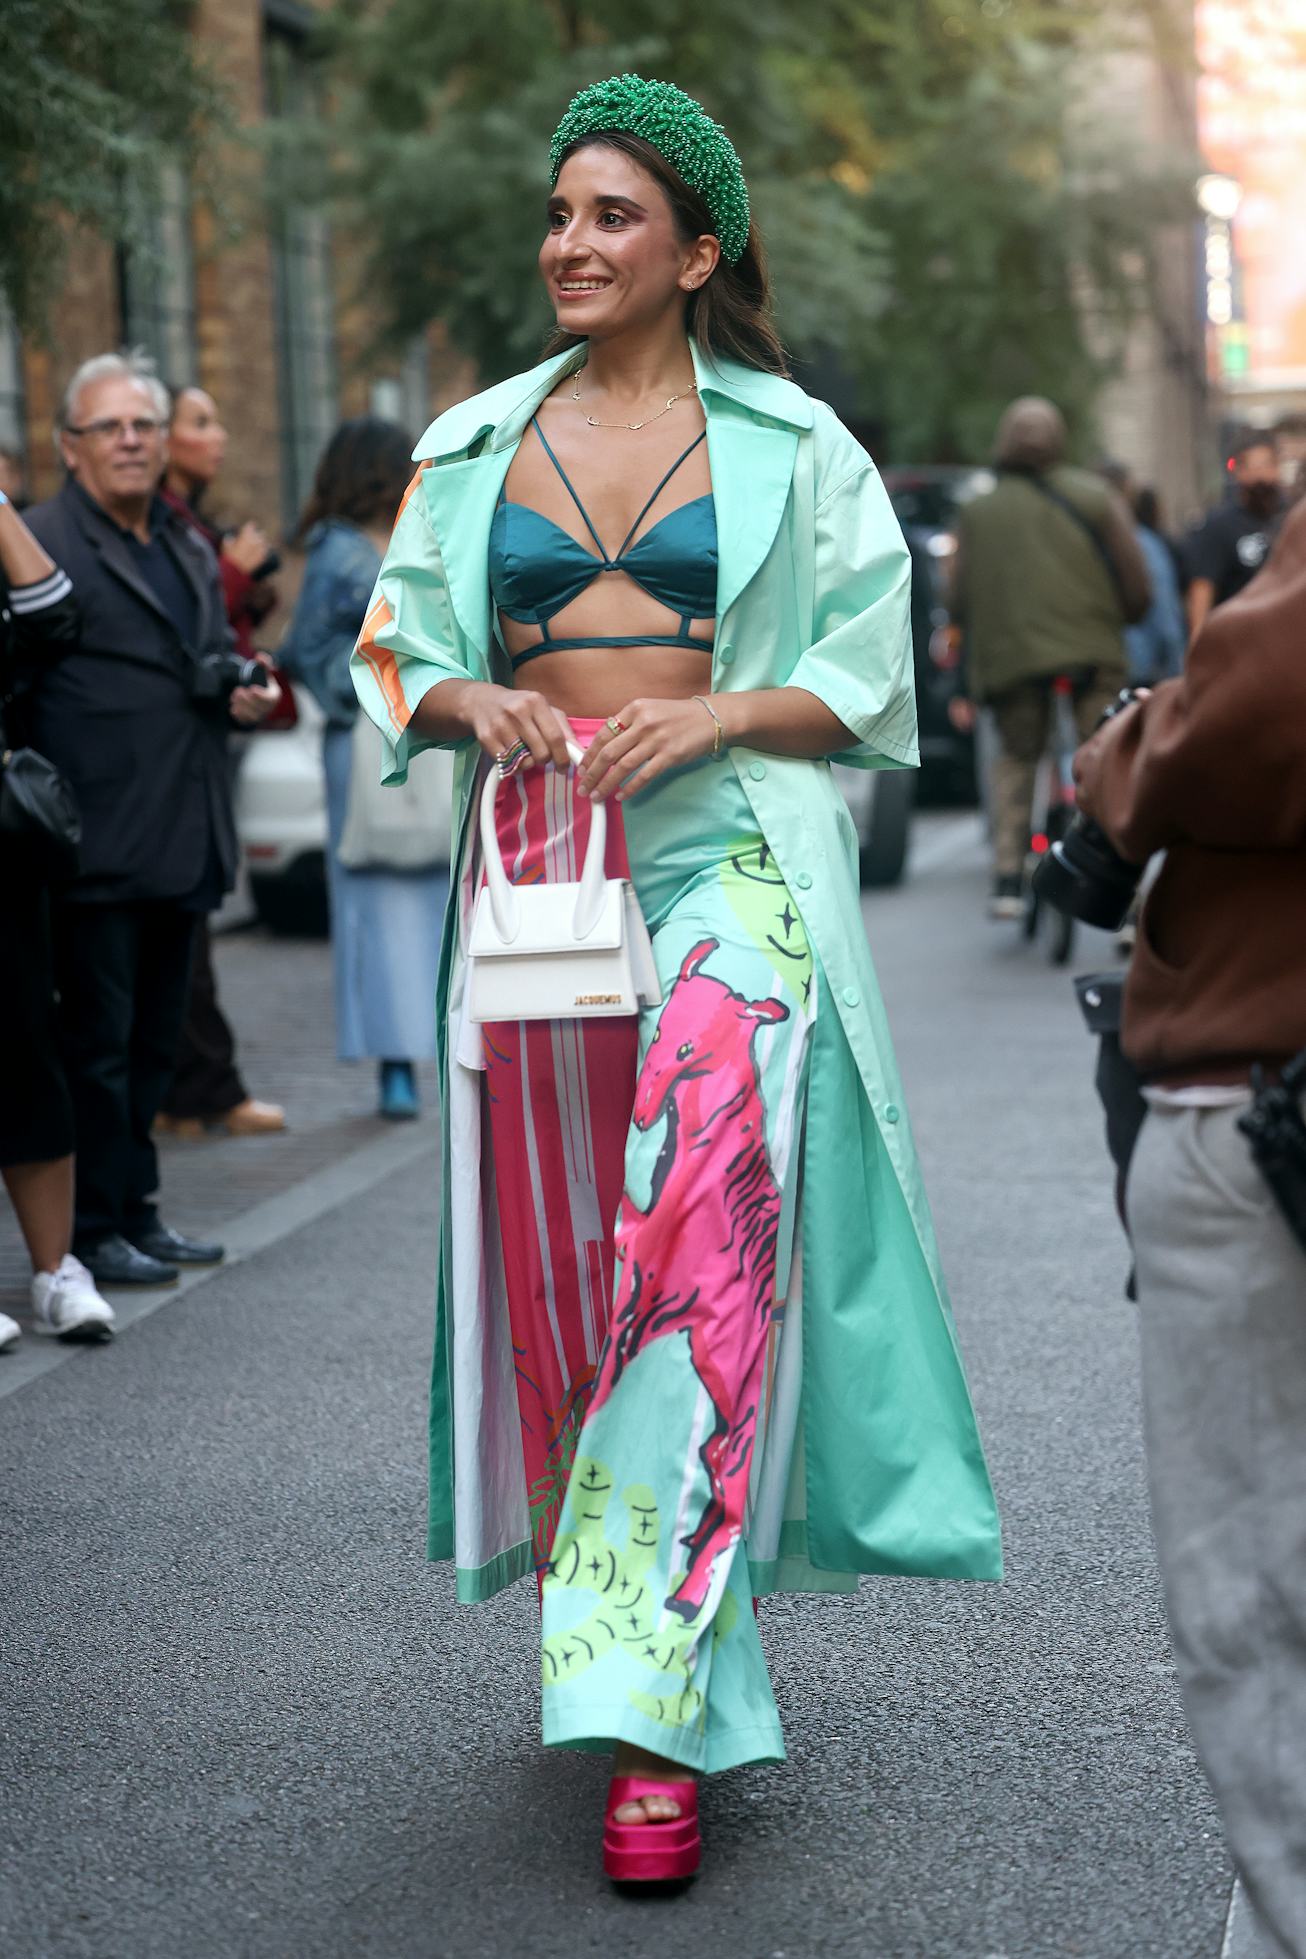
x=383, y=666
x=408, y=493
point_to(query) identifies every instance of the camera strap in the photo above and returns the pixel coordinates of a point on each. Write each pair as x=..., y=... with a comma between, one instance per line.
x=1275, y=1127
x=1089, y=528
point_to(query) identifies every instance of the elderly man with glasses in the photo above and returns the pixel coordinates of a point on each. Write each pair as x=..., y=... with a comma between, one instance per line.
x=136, y=715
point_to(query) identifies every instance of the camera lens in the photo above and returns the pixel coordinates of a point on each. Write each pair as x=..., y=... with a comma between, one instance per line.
x=1085, y=875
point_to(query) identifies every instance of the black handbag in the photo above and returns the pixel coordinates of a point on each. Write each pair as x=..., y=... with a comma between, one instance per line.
x=39, y=817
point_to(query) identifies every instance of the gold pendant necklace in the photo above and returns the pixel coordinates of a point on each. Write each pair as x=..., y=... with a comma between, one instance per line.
x=692, y=389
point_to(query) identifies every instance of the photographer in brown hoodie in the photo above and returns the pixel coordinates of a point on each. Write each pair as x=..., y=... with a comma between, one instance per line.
x=1211, y=768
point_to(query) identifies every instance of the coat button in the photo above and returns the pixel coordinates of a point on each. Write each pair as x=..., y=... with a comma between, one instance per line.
x=804, y=880
x=726, y=655
x=851, y=997
x=757, y=770
x=892, y=1112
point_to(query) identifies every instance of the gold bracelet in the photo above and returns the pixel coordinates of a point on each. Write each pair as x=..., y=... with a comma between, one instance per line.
x=718, y=740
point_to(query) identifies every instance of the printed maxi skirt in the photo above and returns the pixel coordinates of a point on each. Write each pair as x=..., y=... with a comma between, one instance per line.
x=646, y=1174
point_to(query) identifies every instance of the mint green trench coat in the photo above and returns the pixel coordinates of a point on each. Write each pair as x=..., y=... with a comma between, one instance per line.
x=813, y=592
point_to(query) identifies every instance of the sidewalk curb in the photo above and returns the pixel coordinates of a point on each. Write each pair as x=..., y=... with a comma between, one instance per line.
x=247, y=1235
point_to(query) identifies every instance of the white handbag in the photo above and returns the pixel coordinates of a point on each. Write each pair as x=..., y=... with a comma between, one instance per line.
x=557, y=951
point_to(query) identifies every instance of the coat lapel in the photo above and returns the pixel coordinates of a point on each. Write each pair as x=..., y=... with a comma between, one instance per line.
x=118, y=559
x=753, y=425
x=460, y=500
x=461, y=495
x=193, y=557
x=752, y=468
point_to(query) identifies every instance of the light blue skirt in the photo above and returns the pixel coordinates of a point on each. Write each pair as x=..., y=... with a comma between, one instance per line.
x=385, y=937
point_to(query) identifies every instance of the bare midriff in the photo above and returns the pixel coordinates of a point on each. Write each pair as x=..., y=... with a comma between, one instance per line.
x=601, y=680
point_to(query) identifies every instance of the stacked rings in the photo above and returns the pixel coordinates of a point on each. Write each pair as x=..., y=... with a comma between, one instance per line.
x=614, y=726
x=508, y=760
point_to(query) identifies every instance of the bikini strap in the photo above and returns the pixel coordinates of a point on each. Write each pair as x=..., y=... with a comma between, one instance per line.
x=603, y=553
x=700, y=437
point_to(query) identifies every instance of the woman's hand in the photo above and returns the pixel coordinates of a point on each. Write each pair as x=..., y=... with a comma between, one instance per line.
x=500, y=717
x=247, y=548
x=652, y=737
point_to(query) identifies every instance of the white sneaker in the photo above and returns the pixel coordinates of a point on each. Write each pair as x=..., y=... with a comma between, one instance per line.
x=67, y=1305
x=9, y=1332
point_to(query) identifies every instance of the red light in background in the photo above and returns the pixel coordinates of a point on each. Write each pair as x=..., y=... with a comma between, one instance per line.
x=1039, y=844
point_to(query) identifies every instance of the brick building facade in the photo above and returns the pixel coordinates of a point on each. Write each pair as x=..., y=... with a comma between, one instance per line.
x=268, y=319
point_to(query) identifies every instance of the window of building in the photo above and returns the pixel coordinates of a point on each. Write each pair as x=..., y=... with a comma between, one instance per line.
x=156, y=281
x=304, y=302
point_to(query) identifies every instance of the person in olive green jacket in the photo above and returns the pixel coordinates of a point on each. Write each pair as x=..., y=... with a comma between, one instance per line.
x=1047, y=575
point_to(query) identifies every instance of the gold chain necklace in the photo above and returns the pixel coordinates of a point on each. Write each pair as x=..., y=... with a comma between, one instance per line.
x=692, y=389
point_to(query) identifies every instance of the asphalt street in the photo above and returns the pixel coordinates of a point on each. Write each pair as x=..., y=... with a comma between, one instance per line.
x=240, y=1717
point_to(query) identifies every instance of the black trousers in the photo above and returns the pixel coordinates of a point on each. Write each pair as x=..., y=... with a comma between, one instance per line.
x=207, y=1082
x=122, y=972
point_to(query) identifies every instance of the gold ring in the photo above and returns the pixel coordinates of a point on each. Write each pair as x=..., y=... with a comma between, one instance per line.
x=614, y=726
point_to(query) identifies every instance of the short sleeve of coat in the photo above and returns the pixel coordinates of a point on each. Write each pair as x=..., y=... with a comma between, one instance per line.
x=410, y=640
x=860, y=659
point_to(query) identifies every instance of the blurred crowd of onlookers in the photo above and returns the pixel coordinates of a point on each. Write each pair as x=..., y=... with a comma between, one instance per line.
x=133, y=661
x=1069, y=578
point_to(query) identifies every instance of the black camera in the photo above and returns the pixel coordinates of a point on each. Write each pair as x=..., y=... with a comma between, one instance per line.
x=1277, y=1133
x=217, y=679
x=1083, y=873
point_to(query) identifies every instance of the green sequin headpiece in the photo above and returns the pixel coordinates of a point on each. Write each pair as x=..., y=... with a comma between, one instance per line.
x=679, y=129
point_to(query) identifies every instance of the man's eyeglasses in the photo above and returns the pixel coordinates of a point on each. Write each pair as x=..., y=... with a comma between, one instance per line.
x=142, y=427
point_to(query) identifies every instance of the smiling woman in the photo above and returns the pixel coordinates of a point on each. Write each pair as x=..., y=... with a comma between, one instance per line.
x=670, y=1240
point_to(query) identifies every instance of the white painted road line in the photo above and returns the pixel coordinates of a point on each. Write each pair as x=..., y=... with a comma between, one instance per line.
x=1242, y=1938
x=253, y=1232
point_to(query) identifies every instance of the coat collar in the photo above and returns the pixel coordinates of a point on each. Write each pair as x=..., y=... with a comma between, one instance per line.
x=503, y=411
x=108, y=538
x=754, y=421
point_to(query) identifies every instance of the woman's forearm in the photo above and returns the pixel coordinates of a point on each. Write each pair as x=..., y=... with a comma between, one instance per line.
x=441, y=714
x=21, y=557
x=781, y=721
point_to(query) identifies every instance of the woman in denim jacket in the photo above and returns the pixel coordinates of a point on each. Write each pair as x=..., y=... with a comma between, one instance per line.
x=385, y=924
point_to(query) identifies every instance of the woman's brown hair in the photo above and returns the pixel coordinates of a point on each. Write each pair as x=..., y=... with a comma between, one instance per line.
x=730, y=317
x=362, y=475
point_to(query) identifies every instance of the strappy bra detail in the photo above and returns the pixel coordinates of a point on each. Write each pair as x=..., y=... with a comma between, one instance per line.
x=537, y=568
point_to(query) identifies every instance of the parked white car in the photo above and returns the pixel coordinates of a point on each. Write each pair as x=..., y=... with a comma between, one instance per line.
x=880, y=804
x=281, y=818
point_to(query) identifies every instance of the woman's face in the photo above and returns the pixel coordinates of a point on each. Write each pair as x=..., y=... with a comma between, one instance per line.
x=612, y=258
x=197, y=441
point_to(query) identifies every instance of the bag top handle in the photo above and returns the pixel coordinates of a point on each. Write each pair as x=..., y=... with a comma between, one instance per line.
x=503, y=899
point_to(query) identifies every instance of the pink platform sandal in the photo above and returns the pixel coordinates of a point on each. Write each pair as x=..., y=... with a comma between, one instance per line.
x=651, y=1853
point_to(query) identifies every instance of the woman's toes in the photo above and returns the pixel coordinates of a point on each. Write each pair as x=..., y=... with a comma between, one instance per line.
x=649, y=1809
x=661, y=1809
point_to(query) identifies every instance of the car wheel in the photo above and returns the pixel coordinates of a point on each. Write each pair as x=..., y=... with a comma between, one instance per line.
x=884, y=847
x=294, y=909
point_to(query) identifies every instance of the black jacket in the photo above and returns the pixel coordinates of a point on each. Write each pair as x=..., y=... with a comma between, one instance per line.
x=117, y=714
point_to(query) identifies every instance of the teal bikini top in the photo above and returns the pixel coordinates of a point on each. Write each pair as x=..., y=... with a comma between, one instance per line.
x=537, y=568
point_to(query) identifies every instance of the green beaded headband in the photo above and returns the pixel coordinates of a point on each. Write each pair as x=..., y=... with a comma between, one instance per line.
x=679, y=129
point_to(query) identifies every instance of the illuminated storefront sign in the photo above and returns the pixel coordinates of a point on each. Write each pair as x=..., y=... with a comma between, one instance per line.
x=1252, y=124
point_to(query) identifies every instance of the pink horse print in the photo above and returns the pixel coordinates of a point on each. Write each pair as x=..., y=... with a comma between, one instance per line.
x=701, y=1259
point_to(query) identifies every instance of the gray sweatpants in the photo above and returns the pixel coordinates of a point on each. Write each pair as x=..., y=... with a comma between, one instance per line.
x=1222, y=1306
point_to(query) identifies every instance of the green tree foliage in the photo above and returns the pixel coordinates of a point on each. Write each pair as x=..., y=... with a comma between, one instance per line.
x=95, y=97
x=942, y=221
